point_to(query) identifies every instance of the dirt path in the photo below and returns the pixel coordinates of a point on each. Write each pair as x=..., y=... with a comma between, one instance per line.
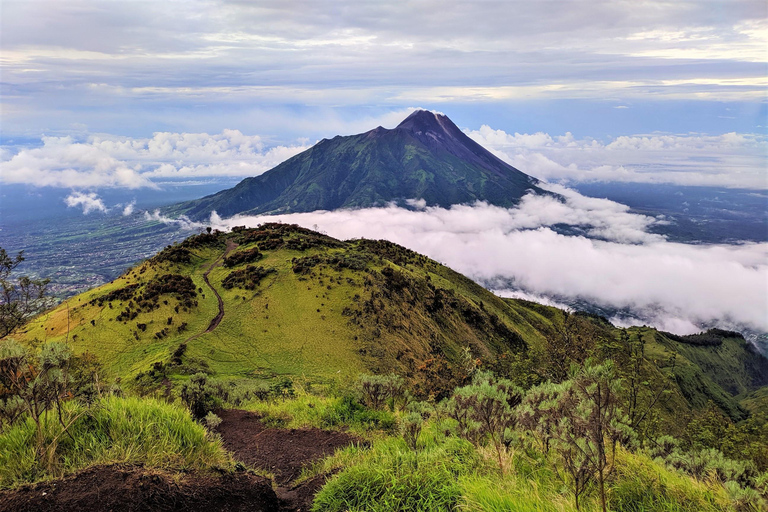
x=220, y=315
x=282, y=452
x=217, y=319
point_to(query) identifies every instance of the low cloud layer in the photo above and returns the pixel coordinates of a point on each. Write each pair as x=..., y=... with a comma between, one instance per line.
x=106, y=161
x=730, y=159
x=101, y=161
x=674, y=286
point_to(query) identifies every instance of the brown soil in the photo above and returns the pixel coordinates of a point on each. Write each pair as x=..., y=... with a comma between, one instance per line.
x=282, y=452
x=134, y=488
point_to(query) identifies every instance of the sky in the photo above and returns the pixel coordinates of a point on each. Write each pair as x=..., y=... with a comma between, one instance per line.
x=129, y=95
x=119, y=94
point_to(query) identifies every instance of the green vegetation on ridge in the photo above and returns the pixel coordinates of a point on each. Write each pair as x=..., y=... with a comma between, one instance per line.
x=477, y=402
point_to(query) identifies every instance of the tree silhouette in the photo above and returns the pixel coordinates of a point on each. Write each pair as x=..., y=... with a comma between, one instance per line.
x=21, y=297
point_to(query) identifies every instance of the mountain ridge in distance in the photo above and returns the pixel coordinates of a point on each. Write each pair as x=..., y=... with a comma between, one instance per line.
x=425, y=157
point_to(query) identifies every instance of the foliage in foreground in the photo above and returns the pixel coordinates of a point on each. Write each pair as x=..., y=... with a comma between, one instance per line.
x=446, y=473
x=113, y=430
x=391, y=476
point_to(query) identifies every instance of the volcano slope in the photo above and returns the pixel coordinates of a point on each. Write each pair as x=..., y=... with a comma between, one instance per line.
x=426, y=156
x=295, y=303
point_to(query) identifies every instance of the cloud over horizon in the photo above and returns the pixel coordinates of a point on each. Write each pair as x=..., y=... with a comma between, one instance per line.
x=675, y=286
x=108, y=161
x=104, y=161
x=734, y=160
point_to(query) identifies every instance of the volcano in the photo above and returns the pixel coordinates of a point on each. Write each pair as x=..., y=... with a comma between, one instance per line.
x=426, y=157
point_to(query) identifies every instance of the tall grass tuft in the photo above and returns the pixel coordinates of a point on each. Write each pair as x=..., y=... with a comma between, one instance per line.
x=116, y=430
x=641, y=485
x=392, y=477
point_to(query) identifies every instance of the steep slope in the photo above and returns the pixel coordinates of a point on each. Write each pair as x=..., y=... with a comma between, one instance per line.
x=281, y=300
x=424, y=157
x=294, y=302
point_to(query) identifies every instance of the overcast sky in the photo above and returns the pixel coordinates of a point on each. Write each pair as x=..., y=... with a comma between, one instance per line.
x=614, y=77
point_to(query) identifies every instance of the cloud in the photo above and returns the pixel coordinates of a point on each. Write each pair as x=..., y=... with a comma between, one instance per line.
x=63, y=61
x=730, y=159
x=89, y=202
x=183, y=222
x=109, y=161
x=674, y=286
x=128, y=209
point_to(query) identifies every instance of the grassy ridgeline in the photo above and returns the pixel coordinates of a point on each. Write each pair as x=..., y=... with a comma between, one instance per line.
x=116, y=430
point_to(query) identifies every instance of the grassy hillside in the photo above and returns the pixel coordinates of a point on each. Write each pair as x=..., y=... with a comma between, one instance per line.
x=322, y=309
x=297, y=303
x=281, y=309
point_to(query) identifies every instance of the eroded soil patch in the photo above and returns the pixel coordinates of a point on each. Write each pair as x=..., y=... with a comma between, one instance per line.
x=282, y=452
x=125, y=488
x=134, y=488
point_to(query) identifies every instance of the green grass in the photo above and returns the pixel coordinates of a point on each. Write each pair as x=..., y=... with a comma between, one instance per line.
x=641, y=484
x=115, y=430
x=321, y=411
x=291, y=324
x=389, y=476
x=447, y=473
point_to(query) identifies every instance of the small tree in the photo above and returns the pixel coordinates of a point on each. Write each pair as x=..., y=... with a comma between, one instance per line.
x=34, y=384
x=486, y=410
x=376, y=390
x=589, y=425
x=413, y=421
x=20, y=298
x=539, y=411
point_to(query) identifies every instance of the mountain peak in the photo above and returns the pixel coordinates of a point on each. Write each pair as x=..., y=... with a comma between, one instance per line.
x=427, y=121
x=426, y=157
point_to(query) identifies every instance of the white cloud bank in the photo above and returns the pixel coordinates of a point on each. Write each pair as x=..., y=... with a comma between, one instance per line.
x=674, y=286
x=109, y=161
x=730, y=160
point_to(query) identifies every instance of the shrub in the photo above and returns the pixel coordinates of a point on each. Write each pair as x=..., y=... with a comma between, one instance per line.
x=347, y=411
x=282, y=388
x=211, y=421
x=376, y=390
x=485, y=410
x=247, y=278
x=413, y=422
x=199, y=396
x=240, y=257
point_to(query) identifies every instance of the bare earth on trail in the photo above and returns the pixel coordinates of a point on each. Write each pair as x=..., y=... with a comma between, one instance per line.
x=133, y=488
x=125, y=488
x=282, y=452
